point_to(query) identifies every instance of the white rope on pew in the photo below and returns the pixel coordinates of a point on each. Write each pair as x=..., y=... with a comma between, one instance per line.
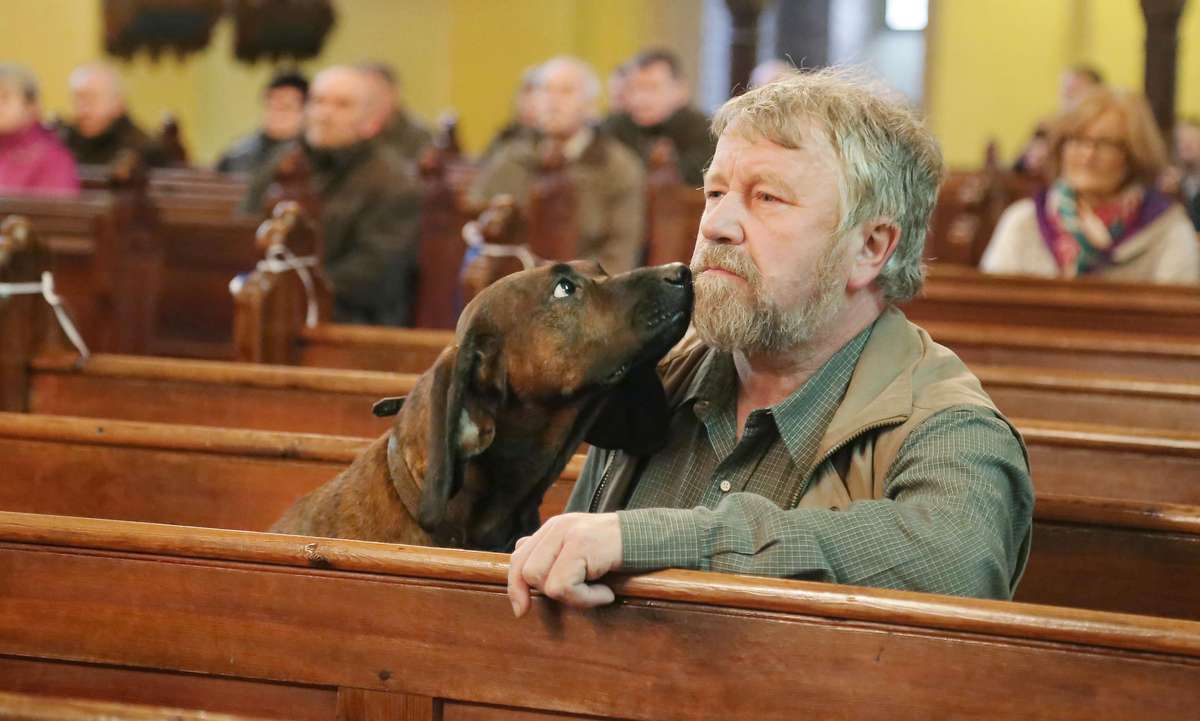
x=280, y=259
x=46, y=290
x=474, y=238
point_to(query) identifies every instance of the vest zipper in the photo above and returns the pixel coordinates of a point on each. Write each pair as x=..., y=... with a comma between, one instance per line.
x=595, y=504
x=830, y=453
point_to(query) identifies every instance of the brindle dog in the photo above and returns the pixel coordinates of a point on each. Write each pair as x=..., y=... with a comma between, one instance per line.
x=542, y=360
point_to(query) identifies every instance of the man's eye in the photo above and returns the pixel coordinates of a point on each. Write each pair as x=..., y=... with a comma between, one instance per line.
x=713, y=194
x=768, y=197
x=564, y=288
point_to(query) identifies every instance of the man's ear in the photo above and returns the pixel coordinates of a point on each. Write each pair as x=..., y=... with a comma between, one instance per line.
x=634, y=415
x=877, y=241
x=468, y=390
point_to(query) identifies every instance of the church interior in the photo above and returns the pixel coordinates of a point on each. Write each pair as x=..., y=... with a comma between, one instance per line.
x=599, y=359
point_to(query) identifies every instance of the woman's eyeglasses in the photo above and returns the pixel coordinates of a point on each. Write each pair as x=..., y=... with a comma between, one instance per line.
x=1101, y=146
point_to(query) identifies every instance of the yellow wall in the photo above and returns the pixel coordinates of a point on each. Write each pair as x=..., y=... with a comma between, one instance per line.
x=995, y=64
x=465, y=55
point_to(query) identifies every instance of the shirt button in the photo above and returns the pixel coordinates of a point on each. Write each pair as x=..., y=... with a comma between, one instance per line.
x=726, y=486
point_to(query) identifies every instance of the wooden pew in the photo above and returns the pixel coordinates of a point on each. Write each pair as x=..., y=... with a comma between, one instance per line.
x=153, y=271
x=25, y=707
x=442, y=248
x=214, y=393
x=187, y=475
x=1161, y=357
x=1121, y=554
x=1066, y=459
x=430, y=631
x=327, y=400
x=106, y=260
x=967, y=296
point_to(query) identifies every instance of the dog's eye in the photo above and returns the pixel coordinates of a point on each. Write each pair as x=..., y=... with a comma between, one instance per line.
x=564, y=288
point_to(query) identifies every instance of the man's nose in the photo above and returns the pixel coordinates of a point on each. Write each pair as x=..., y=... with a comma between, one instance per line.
x=722, y=220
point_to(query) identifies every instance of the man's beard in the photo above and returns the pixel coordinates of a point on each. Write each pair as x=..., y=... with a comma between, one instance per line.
x=731, y=316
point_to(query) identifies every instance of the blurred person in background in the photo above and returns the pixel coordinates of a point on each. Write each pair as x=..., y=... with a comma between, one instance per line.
x=282, y=121
x=607, y=176
x=102, y=127
x=656, y=106
x=32, y=159
x=369, y=196
x=1102, y=214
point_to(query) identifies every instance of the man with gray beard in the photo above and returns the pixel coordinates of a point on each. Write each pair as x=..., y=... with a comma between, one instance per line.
x=814, y=433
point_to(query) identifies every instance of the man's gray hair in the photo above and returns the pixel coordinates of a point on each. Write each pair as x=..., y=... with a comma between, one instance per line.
x=891, y=165
x=591, y=81
x=19, y=77
x=103, y=70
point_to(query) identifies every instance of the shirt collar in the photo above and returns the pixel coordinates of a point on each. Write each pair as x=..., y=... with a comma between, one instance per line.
x=713, y=389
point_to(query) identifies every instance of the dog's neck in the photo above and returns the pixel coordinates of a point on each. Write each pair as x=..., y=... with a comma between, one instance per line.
x=406, y=483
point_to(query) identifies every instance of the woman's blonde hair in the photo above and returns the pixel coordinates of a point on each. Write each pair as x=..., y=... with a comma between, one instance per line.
x=891, y=165
x=1146, y=152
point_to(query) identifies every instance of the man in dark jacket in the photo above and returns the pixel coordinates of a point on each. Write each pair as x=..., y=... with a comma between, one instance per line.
x=656, y=102
x=102, y=127
x=283, y=119
x=370, y=202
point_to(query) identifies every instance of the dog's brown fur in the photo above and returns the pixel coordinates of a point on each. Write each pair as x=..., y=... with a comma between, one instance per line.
x=491, y=425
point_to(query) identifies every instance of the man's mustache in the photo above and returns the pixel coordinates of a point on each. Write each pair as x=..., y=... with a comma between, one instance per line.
x=728, y=259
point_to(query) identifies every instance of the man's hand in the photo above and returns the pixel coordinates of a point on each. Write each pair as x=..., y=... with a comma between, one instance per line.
x=559, y=560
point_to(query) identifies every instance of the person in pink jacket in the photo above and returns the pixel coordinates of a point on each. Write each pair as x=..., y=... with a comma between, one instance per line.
x=32, y=159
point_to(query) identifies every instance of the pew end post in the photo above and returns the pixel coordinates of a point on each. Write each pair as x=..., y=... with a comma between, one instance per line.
x=286, y=292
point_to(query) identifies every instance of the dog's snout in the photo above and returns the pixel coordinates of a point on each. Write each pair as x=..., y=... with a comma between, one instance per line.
x=677, y=274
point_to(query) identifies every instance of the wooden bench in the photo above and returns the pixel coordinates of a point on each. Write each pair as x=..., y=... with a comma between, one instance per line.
x=25, y=707
x=967, y=296
x=430, y=631
x=1161, y=357
x=213, y=393
x=179, y=474
x=1123, y=555
x=150, y=273
x=103, y=246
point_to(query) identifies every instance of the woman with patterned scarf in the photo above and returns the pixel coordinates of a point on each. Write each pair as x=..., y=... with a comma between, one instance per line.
x=1101, y=217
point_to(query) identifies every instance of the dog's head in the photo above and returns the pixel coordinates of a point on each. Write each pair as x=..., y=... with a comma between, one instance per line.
x=543, y=359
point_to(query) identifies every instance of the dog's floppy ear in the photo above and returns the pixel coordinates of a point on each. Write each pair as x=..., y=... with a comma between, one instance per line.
x=469, y=387
x=634, y=415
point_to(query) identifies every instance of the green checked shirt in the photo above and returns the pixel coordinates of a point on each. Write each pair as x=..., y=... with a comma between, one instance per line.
x=950, y=512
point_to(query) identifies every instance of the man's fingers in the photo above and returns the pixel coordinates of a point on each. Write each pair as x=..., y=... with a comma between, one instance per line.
x=518, y=590
x=540, y=557
x=567, y=582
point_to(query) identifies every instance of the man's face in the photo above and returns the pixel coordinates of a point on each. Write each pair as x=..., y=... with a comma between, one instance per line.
x=338, y=109
x=770, y=273
x=653, y=94
x=283, y=113
x=563, y=106
x=16, y=112
x=97, y=103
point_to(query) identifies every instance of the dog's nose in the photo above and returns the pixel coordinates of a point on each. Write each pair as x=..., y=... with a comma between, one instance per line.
x=677, y=274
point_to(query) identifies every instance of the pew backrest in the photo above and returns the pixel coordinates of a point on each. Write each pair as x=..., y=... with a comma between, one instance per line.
x=432, y=630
